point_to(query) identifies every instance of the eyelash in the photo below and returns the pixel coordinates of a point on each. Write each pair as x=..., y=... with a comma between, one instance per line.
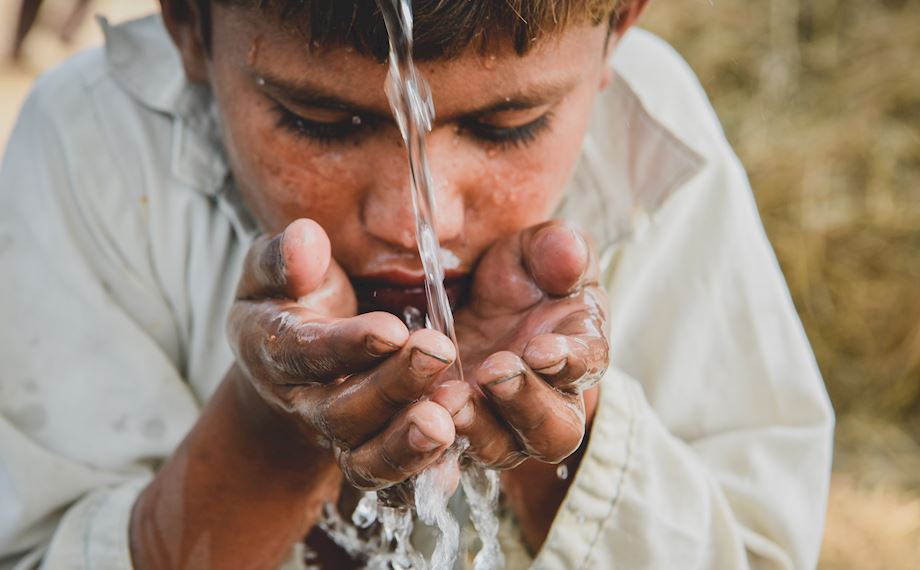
x=323, y=133
x=327, y=133
x=513, y=137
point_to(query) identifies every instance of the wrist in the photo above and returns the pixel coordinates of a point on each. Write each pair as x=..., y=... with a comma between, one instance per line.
x=280, y=436
x=242, y=471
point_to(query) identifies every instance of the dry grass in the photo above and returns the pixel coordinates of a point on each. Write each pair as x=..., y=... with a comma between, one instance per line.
x=821, y=99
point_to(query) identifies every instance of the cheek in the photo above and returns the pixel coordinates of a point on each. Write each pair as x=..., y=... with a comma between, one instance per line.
x=283, y=178
x=524, y=187
x=531, y=183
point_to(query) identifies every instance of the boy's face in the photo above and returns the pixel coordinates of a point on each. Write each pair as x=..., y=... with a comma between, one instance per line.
x=309, y=133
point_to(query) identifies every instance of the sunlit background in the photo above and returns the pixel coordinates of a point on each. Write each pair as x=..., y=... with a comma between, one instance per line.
x=821, y=99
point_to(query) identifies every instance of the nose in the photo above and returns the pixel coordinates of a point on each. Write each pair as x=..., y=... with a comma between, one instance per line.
x=387, y=207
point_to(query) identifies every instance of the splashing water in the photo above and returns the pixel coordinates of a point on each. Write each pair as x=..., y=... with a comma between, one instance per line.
x=413, y=108
x=481, y=487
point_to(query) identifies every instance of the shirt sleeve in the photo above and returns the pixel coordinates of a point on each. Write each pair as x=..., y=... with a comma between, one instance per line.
x=90, y=401
x=711, y=448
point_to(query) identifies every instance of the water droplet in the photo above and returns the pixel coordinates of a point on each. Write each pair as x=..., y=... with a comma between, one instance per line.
x=253, y=55
x=355, y=120
x=562, y=472
x=260, y=81
x=413, y=318
x=366, y=512
x=489, y=62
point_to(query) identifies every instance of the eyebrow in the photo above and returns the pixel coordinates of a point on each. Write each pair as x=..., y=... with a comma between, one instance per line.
x=305, y=93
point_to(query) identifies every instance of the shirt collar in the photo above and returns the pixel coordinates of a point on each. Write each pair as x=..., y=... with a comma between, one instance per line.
x=631, y=162
x=146, y=64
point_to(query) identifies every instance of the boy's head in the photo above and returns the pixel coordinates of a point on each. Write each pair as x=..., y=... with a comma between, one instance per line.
x=308, y=131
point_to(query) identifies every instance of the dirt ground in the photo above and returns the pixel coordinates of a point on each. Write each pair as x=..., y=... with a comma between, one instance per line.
x=833, y=149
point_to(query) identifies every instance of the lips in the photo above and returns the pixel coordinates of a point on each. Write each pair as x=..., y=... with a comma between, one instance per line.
x=392, y=296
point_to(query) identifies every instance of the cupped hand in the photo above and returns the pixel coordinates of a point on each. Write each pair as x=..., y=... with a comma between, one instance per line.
x=352, y=381
x=533, y=345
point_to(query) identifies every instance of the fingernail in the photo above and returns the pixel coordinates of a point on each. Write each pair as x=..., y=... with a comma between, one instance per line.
x=552, y=369
x=464, y=417
x=425, y=363
x=420, y=441
x=376, y=346
x=507, y=386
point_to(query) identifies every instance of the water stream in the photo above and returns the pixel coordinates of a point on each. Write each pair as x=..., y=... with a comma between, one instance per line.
x=390, y=547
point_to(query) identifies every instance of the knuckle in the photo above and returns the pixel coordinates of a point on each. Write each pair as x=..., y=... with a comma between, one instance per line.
x=396, y=395
x=556, y=450
x=355, y=472
x=391, y=464
x=498, y=453
x=532, y=422
x=509, y=460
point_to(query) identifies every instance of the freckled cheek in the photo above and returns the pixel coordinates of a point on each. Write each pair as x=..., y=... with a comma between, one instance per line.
x=517, y=196
x=284, y=178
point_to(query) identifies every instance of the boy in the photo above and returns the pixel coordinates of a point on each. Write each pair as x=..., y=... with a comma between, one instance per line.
x=233, y=167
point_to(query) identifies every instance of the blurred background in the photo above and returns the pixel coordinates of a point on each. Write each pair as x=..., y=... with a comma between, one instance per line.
x=821, y=99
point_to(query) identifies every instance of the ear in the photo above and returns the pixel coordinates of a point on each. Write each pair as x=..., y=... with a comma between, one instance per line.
x=626, y=15
x=187, y=23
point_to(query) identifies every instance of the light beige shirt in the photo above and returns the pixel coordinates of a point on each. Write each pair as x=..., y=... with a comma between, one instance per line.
x=121, y=239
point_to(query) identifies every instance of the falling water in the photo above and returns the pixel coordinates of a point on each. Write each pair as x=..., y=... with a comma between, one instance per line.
x=413, y=108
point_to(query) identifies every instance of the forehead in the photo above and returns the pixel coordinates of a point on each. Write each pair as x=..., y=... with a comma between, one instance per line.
x=257, y=45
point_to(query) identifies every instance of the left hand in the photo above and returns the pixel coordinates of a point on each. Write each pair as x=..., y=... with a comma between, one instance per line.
x=533, y=343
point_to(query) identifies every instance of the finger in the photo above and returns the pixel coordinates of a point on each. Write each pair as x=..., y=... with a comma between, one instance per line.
x=292, y=263
x=412, y=442
x=502, y=284
x=362, y=404
x=281, y=342
x=565, y=362
x=549, y=424
x=491, y=441
x=558, y=258
x=519, y=271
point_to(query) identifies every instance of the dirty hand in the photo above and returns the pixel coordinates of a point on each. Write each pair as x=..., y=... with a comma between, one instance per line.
x=354, y=381
x=533, y=344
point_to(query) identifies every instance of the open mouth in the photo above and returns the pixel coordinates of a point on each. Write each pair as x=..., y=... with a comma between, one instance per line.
x=385, y=295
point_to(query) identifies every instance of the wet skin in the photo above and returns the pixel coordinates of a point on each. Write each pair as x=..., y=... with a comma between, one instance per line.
x=319, y=392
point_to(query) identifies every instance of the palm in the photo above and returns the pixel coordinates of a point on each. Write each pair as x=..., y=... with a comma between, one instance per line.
x=526, y=288
x=482, y=333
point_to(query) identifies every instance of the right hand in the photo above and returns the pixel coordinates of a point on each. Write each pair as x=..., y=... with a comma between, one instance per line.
x=352, y=381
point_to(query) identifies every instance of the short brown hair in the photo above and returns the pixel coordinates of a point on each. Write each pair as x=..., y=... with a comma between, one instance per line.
x=443, y=28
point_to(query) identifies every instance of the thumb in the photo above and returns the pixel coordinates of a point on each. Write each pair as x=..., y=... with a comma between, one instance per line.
x=291, y=264
x=557, y=258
